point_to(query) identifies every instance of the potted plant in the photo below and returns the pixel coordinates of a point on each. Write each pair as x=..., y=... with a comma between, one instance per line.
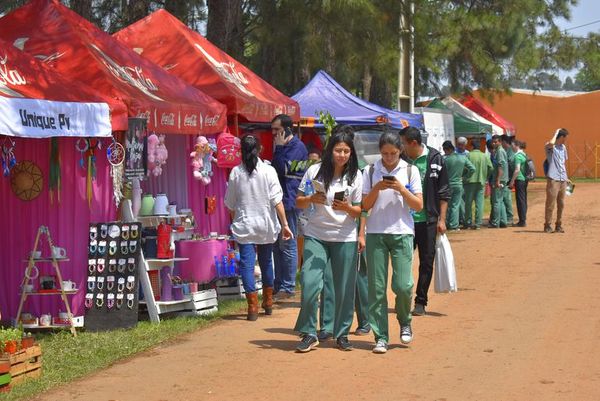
x=27, y=340
x=10, y=340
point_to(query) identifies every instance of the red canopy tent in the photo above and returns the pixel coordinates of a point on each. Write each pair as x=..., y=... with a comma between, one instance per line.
x=488, y=113
x=165, y=40
x=82, y=52
x=28, y=84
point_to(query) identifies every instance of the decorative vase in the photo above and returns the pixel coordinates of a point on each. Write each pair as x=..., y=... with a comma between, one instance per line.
x=147, y=205
x=27, y=342
x=166, y=285
x=136, y=196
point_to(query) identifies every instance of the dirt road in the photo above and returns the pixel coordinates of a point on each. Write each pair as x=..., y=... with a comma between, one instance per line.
x=525, y=326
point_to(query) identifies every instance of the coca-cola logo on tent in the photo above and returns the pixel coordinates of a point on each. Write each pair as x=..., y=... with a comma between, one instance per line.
x=133, y=76
x=190, y=120
x=10, y=77
x=167, y=119
x=228, y=72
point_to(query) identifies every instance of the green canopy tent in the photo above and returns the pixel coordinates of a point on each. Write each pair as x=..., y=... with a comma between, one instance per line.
x=463, y=126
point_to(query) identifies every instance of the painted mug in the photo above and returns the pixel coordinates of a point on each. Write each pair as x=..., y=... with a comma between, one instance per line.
x=59, y=252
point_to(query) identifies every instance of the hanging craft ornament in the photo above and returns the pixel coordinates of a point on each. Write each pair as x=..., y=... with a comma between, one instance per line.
x=115, y=154
x=54, y=173
x=82, y=145
x=7, y=156
x=93, y=144
x=26, y=180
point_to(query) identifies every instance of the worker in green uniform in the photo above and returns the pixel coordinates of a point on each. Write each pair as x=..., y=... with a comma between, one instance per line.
x=459, y=167
x=510, y=157
x=475, y=185
x=499, y=184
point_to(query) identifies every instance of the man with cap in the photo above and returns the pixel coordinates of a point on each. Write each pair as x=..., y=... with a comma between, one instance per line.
x=459, y=168
x=475, y=185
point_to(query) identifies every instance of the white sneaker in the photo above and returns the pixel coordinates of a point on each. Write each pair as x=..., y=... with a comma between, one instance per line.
x=381, y=347
x=406, y=335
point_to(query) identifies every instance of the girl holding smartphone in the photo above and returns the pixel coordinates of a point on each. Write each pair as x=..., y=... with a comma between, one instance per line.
x=391, y=187
x=330, y=236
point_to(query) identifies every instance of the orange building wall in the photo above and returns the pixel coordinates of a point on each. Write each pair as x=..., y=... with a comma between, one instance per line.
x=536, y=118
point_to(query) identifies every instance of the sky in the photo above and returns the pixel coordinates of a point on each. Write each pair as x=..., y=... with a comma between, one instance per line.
x=584, y=12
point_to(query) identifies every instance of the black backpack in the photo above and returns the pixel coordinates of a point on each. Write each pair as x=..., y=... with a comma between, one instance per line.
x=529, y=170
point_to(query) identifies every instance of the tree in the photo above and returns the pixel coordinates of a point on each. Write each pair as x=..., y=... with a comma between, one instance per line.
x=588, y=77
x=570, y=85
x=225, y=27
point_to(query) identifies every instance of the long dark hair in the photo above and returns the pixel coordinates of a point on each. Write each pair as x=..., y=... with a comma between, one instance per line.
x=341, y=133
x=250, y=149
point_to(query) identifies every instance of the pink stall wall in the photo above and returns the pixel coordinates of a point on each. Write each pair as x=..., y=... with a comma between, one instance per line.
x=68, y=223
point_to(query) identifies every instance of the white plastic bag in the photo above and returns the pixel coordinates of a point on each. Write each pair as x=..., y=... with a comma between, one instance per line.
x=445, y=274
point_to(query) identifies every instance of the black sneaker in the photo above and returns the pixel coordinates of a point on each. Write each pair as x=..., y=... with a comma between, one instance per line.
x=307, y=344
x=362, y=331
x=324, y=335
x=344, y=344
x=419, y=310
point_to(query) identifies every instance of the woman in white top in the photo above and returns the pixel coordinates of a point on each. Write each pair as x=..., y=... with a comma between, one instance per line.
x=391, y=187
x=254, y=199
x=330, y=235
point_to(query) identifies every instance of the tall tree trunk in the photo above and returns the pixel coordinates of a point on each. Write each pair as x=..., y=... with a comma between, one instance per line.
x=381, y=93
x=367, y=80
x=225, y=27
x=180, y=9
x=83, y=8
x=134, y=10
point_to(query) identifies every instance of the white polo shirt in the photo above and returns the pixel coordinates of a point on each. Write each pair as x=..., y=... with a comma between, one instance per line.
x=390, y=213
x=325, y=223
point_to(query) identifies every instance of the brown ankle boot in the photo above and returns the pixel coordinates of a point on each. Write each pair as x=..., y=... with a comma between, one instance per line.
x=267, y=302
x=252, y=298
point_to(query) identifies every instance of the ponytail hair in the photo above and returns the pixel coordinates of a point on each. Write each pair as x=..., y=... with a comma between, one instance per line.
x=250, y=149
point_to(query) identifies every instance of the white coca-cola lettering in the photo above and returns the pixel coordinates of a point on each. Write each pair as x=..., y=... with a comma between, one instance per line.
x=144, y=114
x=211, y=121
x=167, y=119
x=133, y=76
x=190, y=120
x=228, y=72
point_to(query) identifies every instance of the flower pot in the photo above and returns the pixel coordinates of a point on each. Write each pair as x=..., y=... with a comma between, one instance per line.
x=27, y=342
x=10, y=347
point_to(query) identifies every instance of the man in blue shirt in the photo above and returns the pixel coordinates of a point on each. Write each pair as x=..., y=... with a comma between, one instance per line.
x=557, y=179
x=289, y=160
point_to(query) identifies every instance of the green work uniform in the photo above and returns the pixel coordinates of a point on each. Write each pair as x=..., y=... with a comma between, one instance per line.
x=459, y=168
x=475, y=187
x=499, y=209
x=379, y=249
x=342, y=257
x=507, y=193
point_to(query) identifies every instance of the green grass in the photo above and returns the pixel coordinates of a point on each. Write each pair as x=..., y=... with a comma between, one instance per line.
x=66, y=358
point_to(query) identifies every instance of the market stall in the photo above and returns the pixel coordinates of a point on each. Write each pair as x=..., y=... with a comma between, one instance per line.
x=323, y=93
x=456, y=107
x=42, y=183
x=463, y=126
x=251, y=102
x=488, y=113
x=162, y=103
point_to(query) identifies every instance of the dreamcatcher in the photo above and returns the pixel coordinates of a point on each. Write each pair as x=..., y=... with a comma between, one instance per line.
x=7, y=156
x=115, y=153
x=87, y=148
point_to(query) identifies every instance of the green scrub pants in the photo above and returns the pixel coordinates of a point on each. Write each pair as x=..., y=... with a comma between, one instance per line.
x=456, y=198
x=342, y=257
x=474, y=192
x=379, y=249
x=499, y=209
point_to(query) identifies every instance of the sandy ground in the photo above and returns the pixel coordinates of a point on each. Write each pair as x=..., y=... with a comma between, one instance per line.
x=524, y=326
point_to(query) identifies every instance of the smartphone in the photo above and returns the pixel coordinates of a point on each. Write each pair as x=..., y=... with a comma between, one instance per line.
x=287, y=131
x=339, y=195
x=389, y=177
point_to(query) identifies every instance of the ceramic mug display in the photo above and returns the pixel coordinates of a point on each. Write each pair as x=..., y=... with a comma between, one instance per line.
x=68, y=285
x=58, y=252
x=45, y=320
x=36, y=254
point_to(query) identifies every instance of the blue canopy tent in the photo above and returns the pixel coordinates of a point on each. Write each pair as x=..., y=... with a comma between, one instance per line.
x=323, y=93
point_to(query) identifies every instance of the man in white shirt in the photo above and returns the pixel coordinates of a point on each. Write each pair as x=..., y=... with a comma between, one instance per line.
x=557, y=179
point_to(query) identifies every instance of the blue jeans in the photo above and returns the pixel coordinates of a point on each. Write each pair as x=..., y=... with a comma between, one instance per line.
x=248, y=257
x=285, y=257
